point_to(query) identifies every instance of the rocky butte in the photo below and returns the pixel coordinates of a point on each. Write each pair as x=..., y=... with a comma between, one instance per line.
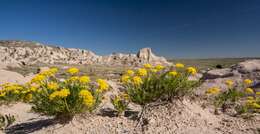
x=28, y=53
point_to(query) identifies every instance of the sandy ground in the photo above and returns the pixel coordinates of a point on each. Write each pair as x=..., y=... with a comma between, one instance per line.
x=179, y=117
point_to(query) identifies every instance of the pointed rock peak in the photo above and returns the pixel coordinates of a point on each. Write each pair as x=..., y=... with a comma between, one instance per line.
x=145, y=53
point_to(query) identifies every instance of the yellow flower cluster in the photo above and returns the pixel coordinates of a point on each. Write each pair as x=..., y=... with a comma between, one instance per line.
x=52, y=86
x=159, y=67
x=130, y=72
x=147, y=66
x=84, y=79
x=191, y=70
x=179, y=65
x=173, y=73
x=11, y=88
x=73, y=70
x=125, y=79
x=137, y=80
x=248, y=81
x=229, y=83
x=142, y=72
x=63, y=93
x=102, y=85
x=88, y=99
x=253, y=102
x=213, y=90
x=249, y=90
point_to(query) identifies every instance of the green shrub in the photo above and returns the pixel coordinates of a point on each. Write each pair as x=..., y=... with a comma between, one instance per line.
x=246, y=100
x=120, y=103
x=148, y=84
x=51, y=96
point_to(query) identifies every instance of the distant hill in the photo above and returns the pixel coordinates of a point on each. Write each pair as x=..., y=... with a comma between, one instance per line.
x=27, y=53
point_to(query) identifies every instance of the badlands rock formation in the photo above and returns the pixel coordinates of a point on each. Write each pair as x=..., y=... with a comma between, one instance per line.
x=26, y=53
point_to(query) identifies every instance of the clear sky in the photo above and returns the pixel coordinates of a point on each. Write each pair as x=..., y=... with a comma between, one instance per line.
x=173, y=28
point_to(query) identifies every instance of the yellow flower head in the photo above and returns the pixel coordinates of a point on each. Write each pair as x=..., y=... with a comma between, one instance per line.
x=213, y=90
x=38, y=78
x=256, y=105
x=147, y=66
x=73, y=78
x=173, y=73
x=73, y=70
x=154, y=70
x=249, y=90
x=84, y=79
x=2, y=94
x=142, y=72
x=137, y=80
x=179, y=65
x=62, y=94
x=102, y=85
x=130, y=72
x=125, y=78
x=250, y=98
x=248, y=81
x=53, y=86
x=257, y=93
x=191, y=70
x=229, y=83
x=88, y=99
x=159, y=67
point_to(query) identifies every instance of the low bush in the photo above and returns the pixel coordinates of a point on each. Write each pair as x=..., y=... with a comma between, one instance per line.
x=51, y=96
x=120, y=103
x=242, y=96
x=150, y=83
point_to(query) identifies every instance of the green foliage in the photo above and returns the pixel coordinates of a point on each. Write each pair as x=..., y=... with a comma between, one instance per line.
x=150, y=84
x=229, y=96
x=120, y=103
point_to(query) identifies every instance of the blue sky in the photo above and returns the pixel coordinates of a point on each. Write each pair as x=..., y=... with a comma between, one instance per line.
x=173, y=28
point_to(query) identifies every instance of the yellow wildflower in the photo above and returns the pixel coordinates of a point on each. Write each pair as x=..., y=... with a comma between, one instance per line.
x=2, y=94
x=137, y=80
x=159, y=67
x=250, y=98
x=154, y=70
x=142, y=72
x=179, y=65
x=73, y=70
x=84, y=79
x=102, y=85
x=38, y=78
x=229, y=83
x=53, y=86
x=248, y=81
x=125, y=78
x=173, y=73
x=257, y=93
x=147, y=66
x=249, y=90
x=73, y=78
x=88, y=99
x=255, y=105
x=130, y=72
x=54, y=70
x=213, y=90
x=63, y=93
x=191, y=70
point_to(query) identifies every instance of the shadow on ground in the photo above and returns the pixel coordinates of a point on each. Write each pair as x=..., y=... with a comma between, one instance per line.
x=29, y=127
